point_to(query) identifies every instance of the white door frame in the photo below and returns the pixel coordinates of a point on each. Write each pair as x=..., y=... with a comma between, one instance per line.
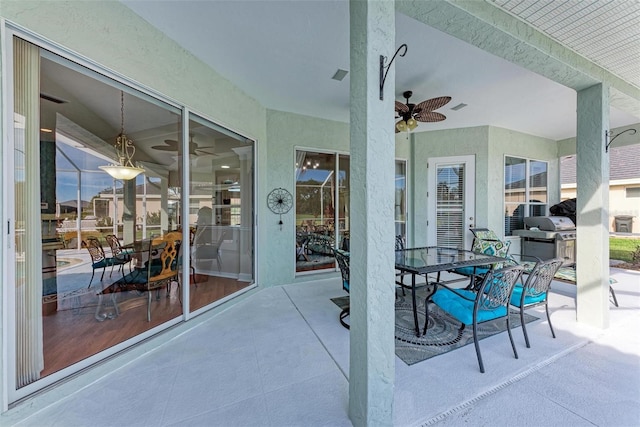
x=469, y=195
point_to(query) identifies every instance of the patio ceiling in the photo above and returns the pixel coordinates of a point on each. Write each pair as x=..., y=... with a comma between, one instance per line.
x=607, y=33
x=284, y=53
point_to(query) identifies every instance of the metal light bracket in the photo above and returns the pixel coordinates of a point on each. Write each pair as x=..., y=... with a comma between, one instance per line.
x=608, y=134
x=384, y=69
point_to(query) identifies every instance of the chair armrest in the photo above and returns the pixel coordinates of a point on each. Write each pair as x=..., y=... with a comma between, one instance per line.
x=440, y=285
x=522, y=257
x=528, y=261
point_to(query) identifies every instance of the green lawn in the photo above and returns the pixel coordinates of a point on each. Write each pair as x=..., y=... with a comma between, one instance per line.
x=622, y=248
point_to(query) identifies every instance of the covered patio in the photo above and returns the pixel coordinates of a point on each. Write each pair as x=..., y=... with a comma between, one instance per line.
x=256, y=359
x=289, y=366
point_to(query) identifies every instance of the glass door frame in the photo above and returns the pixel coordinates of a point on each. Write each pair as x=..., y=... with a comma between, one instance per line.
x=469, y=214
x=336, y=198
x=9, y=369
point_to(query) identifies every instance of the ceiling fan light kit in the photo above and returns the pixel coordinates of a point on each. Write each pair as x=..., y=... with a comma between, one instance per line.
x=410, y=114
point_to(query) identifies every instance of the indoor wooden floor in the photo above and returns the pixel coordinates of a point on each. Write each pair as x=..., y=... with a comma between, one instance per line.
x=72, y=333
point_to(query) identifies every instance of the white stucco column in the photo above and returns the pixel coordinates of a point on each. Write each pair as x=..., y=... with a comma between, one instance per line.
x=129, y=210
x=372, y=360
x=164, y=205
x=592, y=164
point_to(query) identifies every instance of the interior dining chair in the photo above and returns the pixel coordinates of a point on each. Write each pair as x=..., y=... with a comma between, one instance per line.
x=99, y=259
x=535, y=291
x=486, y=242
x=192, y=238
x=209, y=250
x=490, y=303
x=342, y=257
x=177, y=235
x=162, y=268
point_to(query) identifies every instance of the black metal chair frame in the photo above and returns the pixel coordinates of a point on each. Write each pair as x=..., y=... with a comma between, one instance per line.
x=342, y=258
x=96, y=251
x=117, y=252
x=495, y=292
x=537, y=284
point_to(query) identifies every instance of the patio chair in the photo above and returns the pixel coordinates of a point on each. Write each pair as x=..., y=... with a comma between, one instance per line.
x=490, y=303
x=487, y=242
x=99, y=259
x=116, y=249
x=342, y=257
x=400, y=246
x=535, y=291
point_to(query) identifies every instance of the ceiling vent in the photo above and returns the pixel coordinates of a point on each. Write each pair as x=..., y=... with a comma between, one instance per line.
x=340, y=74
x=459, y=106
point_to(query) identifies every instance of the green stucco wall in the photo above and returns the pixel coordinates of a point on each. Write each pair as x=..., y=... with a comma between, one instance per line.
x=448, y=143
x=287, y=132
x=489, y=145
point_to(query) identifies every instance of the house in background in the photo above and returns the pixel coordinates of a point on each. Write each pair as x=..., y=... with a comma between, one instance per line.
x=624, y=186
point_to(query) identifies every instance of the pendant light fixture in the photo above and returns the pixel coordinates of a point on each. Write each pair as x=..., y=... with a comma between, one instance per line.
x=124, y=170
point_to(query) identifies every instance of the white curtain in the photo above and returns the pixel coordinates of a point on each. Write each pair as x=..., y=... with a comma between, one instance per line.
x=29, y=346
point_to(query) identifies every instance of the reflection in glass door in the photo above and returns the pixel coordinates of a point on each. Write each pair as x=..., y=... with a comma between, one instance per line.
x=220, y=212
x=82, y=258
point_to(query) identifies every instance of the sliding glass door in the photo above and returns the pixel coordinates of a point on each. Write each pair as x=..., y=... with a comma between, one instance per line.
x=220, y=212
x=88, y=246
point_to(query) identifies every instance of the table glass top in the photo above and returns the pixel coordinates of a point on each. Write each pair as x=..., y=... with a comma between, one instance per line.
x=437, y=258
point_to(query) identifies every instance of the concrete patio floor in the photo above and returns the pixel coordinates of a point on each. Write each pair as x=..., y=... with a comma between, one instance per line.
x=279, y=357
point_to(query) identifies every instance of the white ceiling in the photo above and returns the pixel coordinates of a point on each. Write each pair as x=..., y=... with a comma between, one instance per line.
x=605, y=32
x=284, y=53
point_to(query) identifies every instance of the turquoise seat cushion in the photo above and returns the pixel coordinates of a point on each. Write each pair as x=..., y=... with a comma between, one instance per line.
x=107, y=262
x=462, y=309
x=345, y=285
x=528, y=299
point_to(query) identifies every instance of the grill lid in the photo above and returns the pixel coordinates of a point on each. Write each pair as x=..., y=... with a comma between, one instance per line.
x=549, y=223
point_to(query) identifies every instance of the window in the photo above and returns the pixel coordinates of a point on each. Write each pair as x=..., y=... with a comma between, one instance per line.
x=322, y=208
x=632, y=192
x=525, y=191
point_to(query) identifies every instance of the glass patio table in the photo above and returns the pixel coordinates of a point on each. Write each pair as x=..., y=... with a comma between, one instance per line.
x=434, y=259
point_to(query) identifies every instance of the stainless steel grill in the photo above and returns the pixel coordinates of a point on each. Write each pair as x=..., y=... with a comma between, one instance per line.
x=549, y=237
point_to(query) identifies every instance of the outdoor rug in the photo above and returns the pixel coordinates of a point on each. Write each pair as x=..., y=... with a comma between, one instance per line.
x=443, y=333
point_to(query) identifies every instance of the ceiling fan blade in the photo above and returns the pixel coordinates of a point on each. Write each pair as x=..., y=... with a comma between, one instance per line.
x=429, y=116
x=401, y=108
x=204, y=151
x=432, y=104
x=164, y=148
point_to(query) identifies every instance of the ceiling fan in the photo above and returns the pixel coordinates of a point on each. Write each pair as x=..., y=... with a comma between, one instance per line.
x=194, y=149
x=411, y=114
